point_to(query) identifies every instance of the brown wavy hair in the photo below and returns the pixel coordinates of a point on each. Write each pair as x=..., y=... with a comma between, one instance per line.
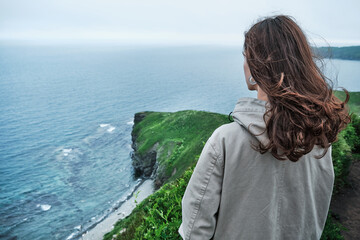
x=302, y=109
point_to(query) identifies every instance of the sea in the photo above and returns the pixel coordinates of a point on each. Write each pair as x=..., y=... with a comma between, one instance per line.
x=66, y=115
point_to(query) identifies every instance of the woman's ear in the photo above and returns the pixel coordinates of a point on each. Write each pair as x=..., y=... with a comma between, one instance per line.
x=251, y=83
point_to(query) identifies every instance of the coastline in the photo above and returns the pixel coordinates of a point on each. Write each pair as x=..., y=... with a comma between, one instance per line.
x=105, y=226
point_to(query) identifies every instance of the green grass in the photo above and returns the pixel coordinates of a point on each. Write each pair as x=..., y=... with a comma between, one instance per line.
x=181, y=137
x=354, y=101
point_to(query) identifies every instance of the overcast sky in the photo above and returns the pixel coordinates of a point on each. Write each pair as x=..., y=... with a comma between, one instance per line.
x=173, y=21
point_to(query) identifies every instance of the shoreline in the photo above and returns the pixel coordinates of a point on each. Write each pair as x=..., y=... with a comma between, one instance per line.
x=97, y=233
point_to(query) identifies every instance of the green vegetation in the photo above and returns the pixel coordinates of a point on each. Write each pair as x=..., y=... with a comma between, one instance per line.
x=346, y=150
x=179, y=138
x=332, y=229
x=158, y=216
x=348, y=53
x=354, y=102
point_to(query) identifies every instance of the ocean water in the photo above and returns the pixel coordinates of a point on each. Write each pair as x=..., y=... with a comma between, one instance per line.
x=66, y=114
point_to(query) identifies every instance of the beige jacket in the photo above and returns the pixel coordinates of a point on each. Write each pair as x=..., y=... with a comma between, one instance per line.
x=237, y=193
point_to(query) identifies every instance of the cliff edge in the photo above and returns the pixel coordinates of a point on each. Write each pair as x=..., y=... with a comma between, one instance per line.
x=165, y=144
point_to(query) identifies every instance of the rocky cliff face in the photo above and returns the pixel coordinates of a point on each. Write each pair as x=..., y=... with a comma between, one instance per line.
x=144, y=165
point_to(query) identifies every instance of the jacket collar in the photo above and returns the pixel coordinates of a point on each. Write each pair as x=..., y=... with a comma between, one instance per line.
x=249, y=112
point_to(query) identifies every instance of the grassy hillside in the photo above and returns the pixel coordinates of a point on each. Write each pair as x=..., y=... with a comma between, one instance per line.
x=179, y=138
x=348, y=53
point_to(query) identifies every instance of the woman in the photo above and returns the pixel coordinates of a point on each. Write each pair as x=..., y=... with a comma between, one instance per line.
x=269, y=174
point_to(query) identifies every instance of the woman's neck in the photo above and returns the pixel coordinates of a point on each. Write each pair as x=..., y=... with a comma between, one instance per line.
x=261, y=94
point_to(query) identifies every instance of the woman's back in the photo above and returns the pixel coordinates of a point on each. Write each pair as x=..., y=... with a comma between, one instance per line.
x=264, y=198
x=259, y=196
x=269, y=175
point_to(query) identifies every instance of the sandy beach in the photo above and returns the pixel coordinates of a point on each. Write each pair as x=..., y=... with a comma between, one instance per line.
x=97, y=233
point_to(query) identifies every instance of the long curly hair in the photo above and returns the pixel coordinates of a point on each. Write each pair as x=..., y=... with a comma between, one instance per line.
x=302, y=109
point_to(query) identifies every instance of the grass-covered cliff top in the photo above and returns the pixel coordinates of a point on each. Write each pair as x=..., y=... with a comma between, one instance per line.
x=179, y=138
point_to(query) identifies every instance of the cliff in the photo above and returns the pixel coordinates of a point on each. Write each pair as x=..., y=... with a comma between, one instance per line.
x=143, y=164
x=166, y=144
x=346, y=53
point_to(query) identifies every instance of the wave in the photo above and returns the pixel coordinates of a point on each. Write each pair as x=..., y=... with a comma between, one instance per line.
x=73, y=236
x=63, y=153
x=44, y=207
x=110, y=129
x=66, y=151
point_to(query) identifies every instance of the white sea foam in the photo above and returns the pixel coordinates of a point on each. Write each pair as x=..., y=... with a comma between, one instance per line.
x=130, y=123
x=110, y=129
x=66, y=151
x=44, y=207
x=78, y=228
x=103, y=125
x=71, y=236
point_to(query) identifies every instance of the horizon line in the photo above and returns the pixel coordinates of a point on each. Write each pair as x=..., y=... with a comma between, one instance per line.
x=162, y=38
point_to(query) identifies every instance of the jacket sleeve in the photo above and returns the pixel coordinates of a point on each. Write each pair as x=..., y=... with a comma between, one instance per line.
x=201, y=200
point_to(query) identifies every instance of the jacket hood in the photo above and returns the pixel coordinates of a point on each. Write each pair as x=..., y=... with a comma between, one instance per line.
x=249, y=113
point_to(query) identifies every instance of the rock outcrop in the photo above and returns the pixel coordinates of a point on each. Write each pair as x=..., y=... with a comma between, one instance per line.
x=144, y=165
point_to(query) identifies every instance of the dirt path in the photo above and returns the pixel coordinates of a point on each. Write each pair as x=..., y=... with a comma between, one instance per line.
x=346, y=204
